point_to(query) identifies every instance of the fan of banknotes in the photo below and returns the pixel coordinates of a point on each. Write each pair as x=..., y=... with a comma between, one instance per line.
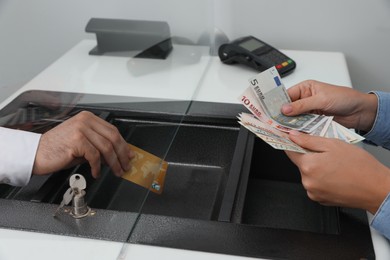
x=265, y=97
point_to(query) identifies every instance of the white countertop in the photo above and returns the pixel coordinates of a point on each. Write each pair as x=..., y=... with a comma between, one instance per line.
x=189, y=73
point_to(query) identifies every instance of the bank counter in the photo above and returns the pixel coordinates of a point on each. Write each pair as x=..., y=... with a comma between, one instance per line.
x=227, y=194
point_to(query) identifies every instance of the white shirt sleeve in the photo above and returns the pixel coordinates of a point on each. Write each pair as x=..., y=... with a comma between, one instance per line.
x=17, y=155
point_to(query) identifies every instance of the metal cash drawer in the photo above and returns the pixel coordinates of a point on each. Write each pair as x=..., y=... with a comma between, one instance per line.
x=226, y=192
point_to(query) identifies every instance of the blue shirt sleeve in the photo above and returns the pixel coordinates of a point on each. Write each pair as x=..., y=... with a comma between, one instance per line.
x=381, y=220
x=380, y=135
x=380, y=131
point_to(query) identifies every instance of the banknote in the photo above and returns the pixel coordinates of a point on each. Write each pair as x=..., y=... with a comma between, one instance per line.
x=147, y=170
x=331, y=132
x=313, y=125
x=280, y=140
x=274, y=137
x=323, y=127
x=277, y=142
x=326, y=126
x=250, y=101
x=272, y=95
x=346, y=134
x=352, y=136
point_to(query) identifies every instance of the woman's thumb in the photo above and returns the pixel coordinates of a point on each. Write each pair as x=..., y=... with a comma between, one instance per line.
x=298, y=107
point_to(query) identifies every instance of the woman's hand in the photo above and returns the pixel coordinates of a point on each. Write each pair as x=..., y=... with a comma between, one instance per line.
x=341, y=174
x=349, y=107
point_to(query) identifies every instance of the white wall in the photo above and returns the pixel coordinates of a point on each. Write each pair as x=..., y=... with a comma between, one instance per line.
x=358, y=28
x=33, y=34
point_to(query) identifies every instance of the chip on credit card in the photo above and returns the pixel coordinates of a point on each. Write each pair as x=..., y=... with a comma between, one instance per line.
x=147, y=170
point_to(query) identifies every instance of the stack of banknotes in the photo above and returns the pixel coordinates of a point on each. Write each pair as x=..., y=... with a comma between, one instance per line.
x=265, y=97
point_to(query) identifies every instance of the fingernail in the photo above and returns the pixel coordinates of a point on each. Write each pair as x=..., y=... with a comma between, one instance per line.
x=294, y=132
x=286, y=108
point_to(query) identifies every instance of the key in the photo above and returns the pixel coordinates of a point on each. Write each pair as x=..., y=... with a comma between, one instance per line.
x=77, y=182
x=67, y=198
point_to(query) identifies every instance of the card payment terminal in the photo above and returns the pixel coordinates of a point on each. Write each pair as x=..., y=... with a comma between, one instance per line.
x=256, y=54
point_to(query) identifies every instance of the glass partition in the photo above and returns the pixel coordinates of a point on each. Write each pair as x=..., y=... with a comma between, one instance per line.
x=137, y=65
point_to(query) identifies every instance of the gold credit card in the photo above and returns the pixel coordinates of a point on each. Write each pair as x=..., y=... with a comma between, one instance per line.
x=147, y=170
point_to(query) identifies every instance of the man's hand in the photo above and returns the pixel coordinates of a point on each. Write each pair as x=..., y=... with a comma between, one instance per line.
x=341, y=174
x=349, y=107
x=84, y=137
